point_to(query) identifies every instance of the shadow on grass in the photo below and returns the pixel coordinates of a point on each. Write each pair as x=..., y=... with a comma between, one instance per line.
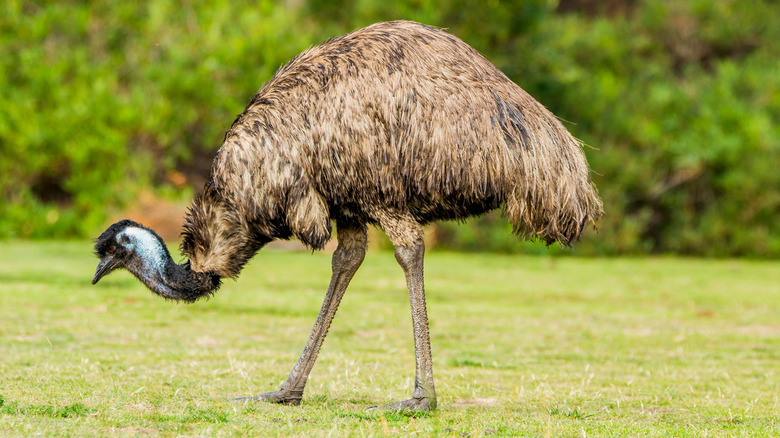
x=200, y=416
x=575, y=413
x=390, y=416
x=476, y=363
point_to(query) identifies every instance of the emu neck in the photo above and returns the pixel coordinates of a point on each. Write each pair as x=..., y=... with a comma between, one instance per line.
x=181, y=283
x=155, y=268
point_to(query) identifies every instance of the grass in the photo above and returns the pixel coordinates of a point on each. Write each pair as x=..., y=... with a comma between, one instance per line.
x=529, y=346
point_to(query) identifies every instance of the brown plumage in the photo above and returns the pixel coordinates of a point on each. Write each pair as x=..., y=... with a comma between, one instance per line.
x=397, y=124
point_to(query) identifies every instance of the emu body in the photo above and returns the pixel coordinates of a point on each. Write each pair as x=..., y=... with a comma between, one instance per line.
x=396, y=125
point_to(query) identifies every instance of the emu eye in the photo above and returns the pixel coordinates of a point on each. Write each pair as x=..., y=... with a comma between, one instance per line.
x=111, y=250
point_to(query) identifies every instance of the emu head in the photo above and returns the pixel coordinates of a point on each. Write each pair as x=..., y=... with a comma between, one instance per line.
x=130, y=245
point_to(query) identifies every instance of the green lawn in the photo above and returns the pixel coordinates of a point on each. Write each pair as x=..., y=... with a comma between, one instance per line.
x=531, y=346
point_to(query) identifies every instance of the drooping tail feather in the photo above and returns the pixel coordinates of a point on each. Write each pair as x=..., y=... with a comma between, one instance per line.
x=551, y=197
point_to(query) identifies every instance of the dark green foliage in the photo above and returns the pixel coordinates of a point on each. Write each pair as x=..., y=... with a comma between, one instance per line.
x=685, y=114
x=679, y=99
x=98, y=101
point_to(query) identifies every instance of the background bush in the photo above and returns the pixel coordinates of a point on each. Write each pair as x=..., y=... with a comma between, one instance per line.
x=680, y=101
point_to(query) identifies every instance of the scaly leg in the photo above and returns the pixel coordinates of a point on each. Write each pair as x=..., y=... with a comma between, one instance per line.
x=347, y=258
x=406, y=235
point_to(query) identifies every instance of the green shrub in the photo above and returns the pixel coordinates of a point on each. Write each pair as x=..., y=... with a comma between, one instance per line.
x=680, y=101
x=98, y=101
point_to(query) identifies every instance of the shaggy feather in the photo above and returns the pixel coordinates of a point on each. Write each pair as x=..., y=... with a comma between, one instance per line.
x=399, y=119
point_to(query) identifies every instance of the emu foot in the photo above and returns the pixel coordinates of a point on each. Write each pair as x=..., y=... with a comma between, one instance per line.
x=412, y=404
x=292, y=398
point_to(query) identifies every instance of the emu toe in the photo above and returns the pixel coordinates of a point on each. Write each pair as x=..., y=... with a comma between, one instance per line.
x=412, y=404
x=292, y=398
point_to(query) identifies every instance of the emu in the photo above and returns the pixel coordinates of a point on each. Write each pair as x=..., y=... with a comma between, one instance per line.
x=397, y=125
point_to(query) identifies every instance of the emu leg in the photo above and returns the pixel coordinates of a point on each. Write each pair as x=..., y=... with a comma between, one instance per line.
x=346, y=260
x=409, y=252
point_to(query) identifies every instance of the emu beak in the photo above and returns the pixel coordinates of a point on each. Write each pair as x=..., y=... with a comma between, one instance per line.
x=104, y=267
